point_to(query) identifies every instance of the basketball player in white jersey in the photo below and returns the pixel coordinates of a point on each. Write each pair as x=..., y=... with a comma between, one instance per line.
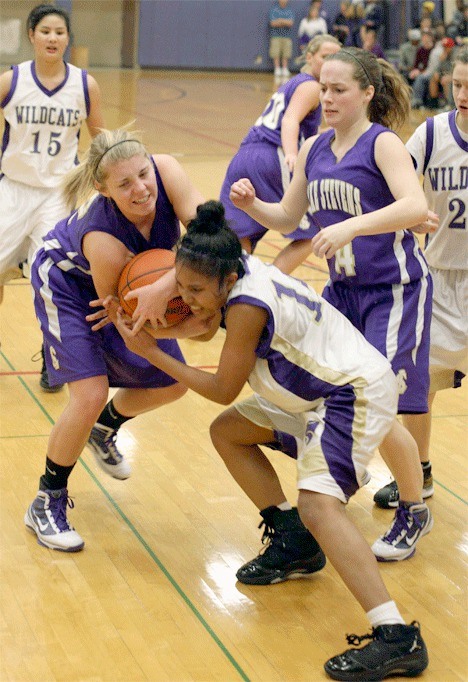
x=439, y=148
x=44, y=102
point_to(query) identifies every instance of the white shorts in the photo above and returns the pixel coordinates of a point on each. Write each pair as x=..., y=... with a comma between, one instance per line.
x=337, y=439
x=449, y=327
x=26, y=216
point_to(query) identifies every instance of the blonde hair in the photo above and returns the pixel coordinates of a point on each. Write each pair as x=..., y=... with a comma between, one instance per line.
x=390, y=106
x=314, y=45
x=106, y=149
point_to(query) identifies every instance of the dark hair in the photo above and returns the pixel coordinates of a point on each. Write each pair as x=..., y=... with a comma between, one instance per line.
x=210, y=247
x=37, y=14
x=390, y=105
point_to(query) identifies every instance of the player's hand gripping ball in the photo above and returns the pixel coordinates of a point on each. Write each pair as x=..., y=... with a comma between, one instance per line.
x=145, y=268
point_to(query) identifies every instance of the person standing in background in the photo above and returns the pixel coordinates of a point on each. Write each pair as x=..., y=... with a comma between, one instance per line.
x=281, y=23
x=311, y=25
x=44, y=102
x=269, y=151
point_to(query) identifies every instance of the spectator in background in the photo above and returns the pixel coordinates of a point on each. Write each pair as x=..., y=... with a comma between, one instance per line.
x=422, y=55
x=440, y=84
x=355, y=14
x=312, y=25
x=407, y=54
x=281, y=23
x=374, y=17
x=370, y=42
x=421, y=82
x=340, y=29
x=427, y=11
x=458, y=27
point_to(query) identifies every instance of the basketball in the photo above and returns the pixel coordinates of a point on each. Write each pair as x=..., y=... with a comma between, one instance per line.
x=145, y=268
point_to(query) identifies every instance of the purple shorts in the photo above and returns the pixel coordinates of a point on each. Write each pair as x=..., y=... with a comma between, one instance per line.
x=396, y=320
x=72, y=350
x=263, y=164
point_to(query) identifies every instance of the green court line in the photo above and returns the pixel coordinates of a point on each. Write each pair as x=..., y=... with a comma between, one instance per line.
x=144, y=544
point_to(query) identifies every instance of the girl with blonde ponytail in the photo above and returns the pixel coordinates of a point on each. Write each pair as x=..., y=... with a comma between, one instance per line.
x=133, y=202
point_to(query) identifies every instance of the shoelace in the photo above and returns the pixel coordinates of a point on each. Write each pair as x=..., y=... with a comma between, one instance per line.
x=112, y=447
x=357, y=639
x=402, y=517
x=58, y=507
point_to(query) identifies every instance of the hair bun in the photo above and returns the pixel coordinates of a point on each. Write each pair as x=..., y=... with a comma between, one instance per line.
x=210, y=217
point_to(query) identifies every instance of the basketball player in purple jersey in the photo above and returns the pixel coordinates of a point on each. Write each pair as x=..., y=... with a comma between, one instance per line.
x=268, y=153
x=317, y=382
x=439, y=148
x=44, y=102
x=139, y=204
x=359, y=184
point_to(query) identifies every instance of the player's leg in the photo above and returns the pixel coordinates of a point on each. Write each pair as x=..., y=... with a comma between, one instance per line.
x=293, y=255
x=290, y=550
x=18, y=204
x=396, y=648
x=47, y=514
x=448, y=361
x=51, y=209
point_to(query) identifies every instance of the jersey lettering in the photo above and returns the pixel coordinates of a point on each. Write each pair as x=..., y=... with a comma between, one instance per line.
x=272, y=113
x=334, y=195
x=314, y=306
x=345, y=261
x=459, y=221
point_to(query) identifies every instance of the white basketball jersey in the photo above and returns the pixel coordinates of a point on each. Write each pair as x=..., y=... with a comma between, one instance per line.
x=308, y=349
x=42, y=127
x=440, y=153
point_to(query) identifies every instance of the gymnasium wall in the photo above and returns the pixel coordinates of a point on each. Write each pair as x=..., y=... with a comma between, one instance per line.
x=203, y=34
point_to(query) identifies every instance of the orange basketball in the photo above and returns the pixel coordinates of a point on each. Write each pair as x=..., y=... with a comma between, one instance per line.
x=145, y=268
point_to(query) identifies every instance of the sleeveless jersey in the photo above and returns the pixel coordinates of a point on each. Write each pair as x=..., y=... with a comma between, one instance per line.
x=352, y=187
x=440, y=153
x=64, y=243
x=308, y=350
x=42, y=127
x=267, y=128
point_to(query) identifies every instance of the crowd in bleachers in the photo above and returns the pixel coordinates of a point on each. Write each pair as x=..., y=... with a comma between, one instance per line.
x=425, y=59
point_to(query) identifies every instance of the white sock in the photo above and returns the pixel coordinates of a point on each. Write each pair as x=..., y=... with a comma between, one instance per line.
x=284, y=506
x=385, y=614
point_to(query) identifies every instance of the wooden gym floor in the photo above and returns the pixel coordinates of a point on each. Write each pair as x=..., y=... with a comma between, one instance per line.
x=153, y=596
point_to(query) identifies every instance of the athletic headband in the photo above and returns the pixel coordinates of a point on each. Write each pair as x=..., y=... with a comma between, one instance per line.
x=360, y=64
x=112, y=147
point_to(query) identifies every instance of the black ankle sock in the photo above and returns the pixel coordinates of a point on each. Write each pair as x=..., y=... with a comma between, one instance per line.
x=111, y=418
x=426, y=465
x=55, y=476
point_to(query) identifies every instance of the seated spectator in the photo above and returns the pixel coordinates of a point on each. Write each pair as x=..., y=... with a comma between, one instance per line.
x=458, y=21
x=370, y=42
x=440, y=84
x=312, y=25
x=422, y=54
x=421, y=97
x=340, y=28
x=426, y=24
x=427, y=11
x=407, y=54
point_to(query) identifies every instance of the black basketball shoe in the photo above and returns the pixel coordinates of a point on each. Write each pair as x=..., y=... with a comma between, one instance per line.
x=291, y=550
x=394, y=650
x=44, y=380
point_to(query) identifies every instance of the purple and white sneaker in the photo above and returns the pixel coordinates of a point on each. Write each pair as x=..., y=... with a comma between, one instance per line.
x=47, y=517
x=409, y=525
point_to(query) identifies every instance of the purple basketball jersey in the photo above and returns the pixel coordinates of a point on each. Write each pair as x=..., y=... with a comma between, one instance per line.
x=351, y=187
